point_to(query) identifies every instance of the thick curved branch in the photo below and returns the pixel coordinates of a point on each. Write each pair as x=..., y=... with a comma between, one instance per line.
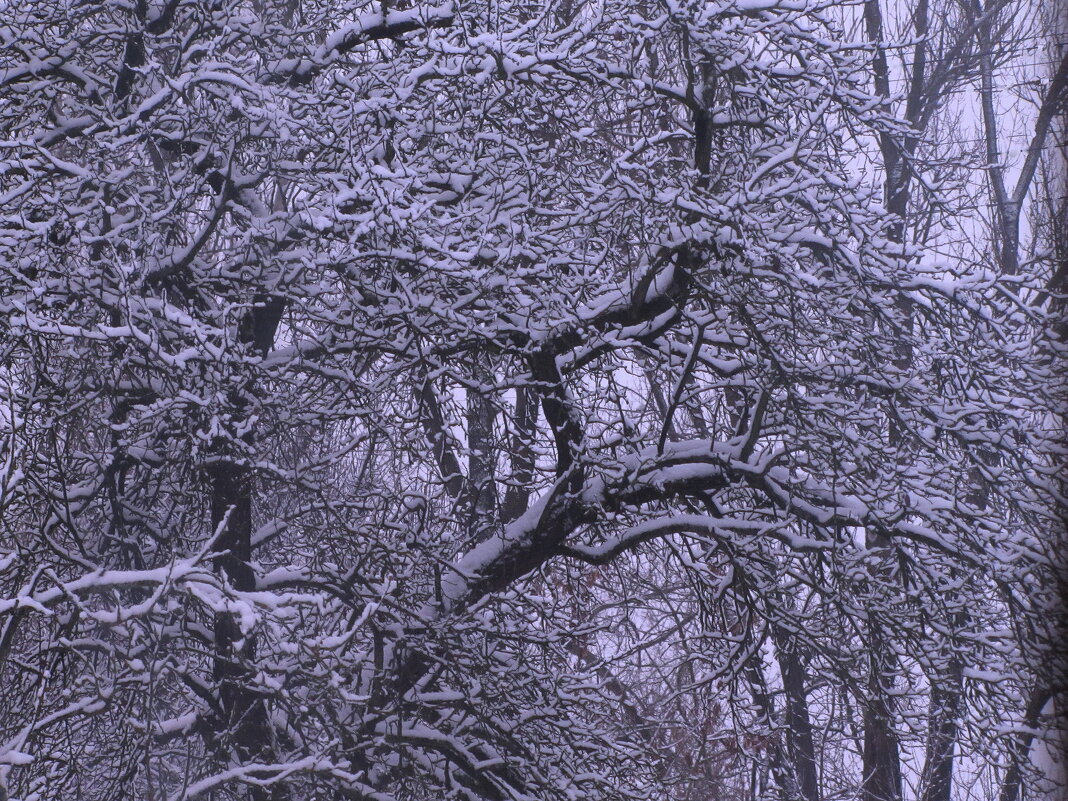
x=372, y=27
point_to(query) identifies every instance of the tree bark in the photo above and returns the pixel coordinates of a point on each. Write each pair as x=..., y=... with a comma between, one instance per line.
x=799, y=740
x=944, y=711
x=245, y=728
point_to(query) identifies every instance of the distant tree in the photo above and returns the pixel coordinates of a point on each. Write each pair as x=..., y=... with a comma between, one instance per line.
x=926, y=56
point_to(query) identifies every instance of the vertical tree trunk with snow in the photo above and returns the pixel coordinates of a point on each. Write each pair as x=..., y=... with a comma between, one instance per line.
x=243, y=730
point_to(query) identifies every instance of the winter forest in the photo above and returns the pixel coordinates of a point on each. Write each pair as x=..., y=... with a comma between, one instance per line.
x=533, y=400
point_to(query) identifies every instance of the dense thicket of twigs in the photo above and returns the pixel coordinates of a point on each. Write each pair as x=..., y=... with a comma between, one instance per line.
x=516, y=400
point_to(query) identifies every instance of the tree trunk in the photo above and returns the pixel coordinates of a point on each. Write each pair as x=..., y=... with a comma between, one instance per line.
x=245, y=730
x=943, y=714
x=799, y=741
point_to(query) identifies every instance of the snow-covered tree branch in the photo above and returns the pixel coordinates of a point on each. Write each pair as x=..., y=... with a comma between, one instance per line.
x=525, y=400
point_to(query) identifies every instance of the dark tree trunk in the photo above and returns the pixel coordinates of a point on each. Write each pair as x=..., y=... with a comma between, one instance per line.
x=942, y=736
x=245, y=730
x=881, y=780
x=799, y=741
x=245, y=727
